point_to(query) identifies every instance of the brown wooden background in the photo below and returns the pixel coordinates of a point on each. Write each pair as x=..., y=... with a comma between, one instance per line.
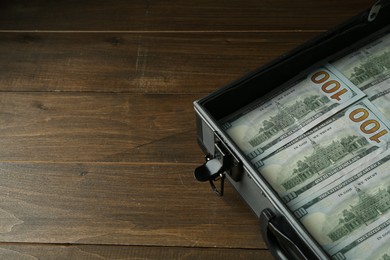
x=97, y=130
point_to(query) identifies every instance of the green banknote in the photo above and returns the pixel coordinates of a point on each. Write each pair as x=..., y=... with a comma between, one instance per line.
x=367, y=67
x=372, y=245
x=315, y=159
x=381, y=99
x=270, y=122
x=350, y=207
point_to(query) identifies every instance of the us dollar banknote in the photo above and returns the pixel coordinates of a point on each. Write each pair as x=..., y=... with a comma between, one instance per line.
x=313, y=160
x=369, y=67
x=271, y=122
x=381, y=99
x=374, y=244
x=350, y=207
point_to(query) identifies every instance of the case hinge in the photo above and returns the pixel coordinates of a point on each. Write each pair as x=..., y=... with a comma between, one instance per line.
x=374, y=11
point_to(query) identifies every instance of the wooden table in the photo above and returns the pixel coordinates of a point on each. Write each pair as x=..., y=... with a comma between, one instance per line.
x=97, y=129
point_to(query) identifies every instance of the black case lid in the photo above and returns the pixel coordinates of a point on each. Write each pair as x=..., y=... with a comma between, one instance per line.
x=341, y=39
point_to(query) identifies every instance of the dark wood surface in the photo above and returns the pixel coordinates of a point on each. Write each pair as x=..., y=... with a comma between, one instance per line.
x=97, y=130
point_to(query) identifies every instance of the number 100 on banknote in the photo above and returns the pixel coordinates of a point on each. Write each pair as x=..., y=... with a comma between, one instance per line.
x=315, y=159
x=272, y=121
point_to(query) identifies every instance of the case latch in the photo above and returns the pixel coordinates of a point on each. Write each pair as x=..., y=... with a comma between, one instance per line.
x=216, y=167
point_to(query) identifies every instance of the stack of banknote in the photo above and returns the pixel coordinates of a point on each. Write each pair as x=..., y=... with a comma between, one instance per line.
x=322, y=142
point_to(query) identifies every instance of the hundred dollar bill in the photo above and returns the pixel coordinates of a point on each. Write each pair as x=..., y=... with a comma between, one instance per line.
x=338, y=144
x=272, y=121
x=349, y=207
x=381, y=99
x=373, y=245
x=368, y=66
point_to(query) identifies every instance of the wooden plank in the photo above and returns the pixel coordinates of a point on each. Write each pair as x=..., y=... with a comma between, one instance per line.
x=77, y=127
x=120, y=204
x=58, y=252
x=173, y=15
x=135, y=63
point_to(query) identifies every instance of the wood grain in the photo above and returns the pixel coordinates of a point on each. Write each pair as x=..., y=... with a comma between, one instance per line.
x=173, y=15
x=60, y=252
x=135, y=63
x=71, y=127
x=120, y=204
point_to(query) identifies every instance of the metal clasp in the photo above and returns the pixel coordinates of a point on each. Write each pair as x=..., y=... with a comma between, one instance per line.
x=216, y=167
x=212, y=170
x=221, y=179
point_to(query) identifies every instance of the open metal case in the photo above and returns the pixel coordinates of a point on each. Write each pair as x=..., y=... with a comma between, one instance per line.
x=286, y=237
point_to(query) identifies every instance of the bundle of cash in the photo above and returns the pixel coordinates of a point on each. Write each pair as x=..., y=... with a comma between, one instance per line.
x=311, y=161
x=373, y=244
x=367, y=67
x=322, y=143
x=271, y=122
x=381, y=100
x=356, y=204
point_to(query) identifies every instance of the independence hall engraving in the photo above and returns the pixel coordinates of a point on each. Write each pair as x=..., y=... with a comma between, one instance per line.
x=368, y=208
x=322, y=158
x=287, y=116
x=371, y=68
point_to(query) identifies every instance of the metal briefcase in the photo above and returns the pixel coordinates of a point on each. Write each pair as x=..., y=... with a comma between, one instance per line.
x=286, y=237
